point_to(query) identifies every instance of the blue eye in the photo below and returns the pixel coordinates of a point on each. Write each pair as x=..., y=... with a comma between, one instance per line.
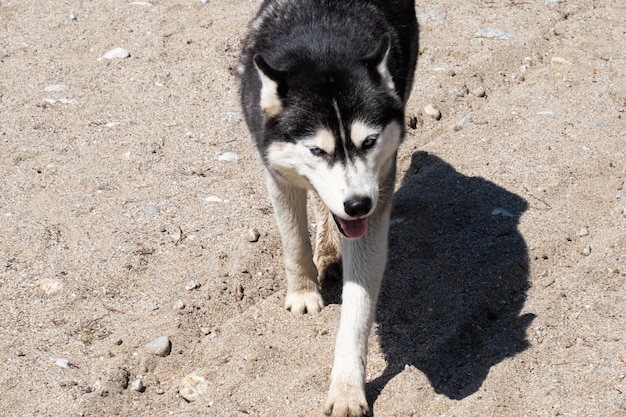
x=369, y=142
x=317, y=151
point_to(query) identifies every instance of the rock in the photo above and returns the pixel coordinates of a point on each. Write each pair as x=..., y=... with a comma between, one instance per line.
x=583, y=232
x=179, y=305
x=153, y=209
x=228, y=156
x=478, y=91
x=55, y=88
x=192, y=285
x=50, y=286
x=192, y=387
x=253, y=235
x=137, y=385
x=462, y=124
x=73, y=16
x=586, y=250
x=432, y=111
x=499, y=211
x=62, y=363
x=213, y=199
x=557, y=61
x=431, y=16
x=160, y=346
x=489, y=32
x=115, y=53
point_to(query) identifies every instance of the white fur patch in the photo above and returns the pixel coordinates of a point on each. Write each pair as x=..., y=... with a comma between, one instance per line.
x=323, y=139
x=270, y=102
x=359, y=131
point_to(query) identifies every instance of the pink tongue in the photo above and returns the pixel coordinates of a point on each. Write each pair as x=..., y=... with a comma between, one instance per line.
x=354, y=228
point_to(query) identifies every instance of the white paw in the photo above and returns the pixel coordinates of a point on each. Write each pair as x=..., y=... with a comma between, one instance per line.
x=304, y=302
x=346, y=400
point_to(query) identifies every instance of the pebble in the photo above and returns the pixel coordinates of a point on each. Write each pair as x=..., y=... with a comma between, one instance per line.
x=153, y=209
x=204, y=1
x=55, y=88
x=192, y=387
x=479, y=91
x=62, y=363
x=50, y=286
x=160, y=346
x=179, y=305
x=462, y=124
x=73, y=16
x=253, y=235
x=489, y=32
x=137, y=385
x=586, y=250
x=213, y=199
x=115, y=53
x=228, y=156
x=431, y=16
x=557, y=61
x=432, y=111
x=499, y=211
x=192, y=285
x=583, y=232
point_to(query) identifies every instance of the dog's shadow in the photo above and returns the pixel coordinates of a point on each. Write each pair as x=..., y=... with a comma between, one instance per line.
x=456, y=279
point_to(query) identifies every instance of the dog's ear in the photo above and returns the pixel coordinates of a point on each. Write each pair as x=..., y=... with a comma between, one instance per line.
x=376, y=61
x=273, y=86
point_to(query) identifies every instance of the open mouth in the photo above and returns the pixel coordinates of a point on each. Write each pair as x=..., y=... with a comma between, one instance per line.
x=351, y=228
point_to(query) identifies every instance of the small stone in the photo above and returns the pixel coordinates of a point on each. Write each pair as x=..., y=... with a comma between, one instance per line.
x=55, y=88
x=489, y=32
x=73, y=16
x=86, y=389
x=192, y=285
x=583, y=232
x=479, y=91
x=228, y=156
x=586, y=250
x=62, y=363
x=179, y=305
x=160, y=346
x=50, y=286
x=153, y=209
x=499, y=211
x=557, y=61
x=137, y=385
x=239, y=292
x=213, y=199
x=115, y=53
x=432, y=111
x=253, y=235
x=192, y=387
x=462, y=124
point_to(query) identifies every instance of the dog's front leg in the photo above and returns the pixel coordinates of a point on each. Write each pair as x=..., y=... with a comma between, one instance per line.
x=290, y=209
x=364, y=263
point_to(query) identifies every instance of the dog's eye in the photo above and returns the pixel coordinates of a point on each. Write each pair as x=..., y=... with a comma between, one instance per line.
x=369, y=142
x=317, y=151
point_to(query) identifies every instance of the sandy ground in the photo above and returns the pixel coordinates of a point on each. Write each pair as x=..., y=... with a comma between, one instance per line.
x=505, y=291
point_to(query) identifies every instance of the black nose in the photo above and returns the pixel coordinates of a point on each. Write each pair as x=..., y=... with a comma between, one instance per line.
x=357, y=206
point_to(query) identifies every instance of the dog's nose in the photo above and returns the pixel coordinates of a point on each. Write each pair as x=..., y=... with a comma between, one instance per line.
x=357, y=206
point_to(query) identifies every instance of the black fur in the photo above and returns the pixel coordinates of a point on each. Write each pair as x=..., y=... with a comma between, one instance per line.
x=323, y=50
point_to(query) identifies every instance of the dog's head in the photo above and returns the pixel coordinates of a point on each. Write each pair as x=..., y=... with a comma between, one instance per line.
x=333, y=126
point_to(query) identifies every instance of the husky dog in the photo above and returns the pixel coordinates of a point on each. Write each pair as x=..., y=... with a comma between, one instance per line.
x=323, y=89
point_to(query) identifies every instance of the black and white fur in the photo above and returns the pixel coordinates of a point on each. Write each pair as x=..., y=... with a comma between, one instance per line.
x=323, y=89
